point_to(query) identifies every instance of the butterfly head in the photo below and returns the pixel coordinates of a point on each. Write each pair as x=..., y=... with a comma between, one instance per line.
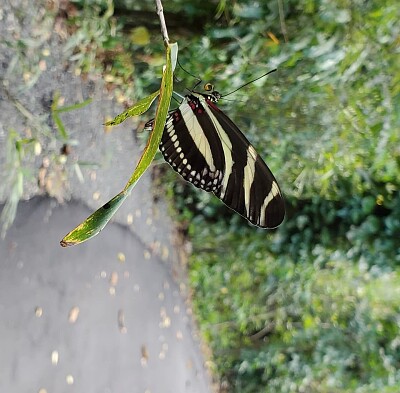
x=213, y=95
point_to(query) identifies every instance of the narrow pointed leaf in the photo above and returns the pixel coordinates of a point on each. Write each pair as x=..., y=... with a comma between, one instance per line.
x=138, y=109
x=97, y=221
x=159, y=123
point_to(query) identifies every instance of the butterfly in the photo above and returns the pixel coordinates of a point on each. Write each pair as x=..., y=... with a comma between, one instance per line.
x=207, y=149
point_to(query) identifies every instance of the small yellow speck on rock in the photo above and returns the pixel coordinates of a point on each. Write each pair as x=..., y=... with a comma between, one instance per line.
x=37, y=148
x=96, y=196
x=38, y=311
x=42, y=65
x=73, y=314
x=164, y=253
x=121, y=322
x=145, y=355
x=70, y=379
x=121, y=257
x=114, y=279
x=54, y=358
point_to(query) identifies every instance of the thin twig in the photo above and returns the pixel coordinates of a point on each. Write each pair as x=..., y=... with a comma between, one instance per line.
x=282, y=20
x=263, y=332
x=160, y=12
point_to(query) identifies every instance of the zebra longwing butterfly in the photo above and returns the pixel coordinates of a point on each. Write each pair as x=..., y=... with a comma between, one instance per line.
x=207, y=149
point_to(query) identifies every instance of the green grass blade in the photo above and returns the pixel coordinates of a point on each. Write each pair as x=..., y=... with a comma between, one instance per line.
x=139, y=108
x=60, y=126
x=98, y=220
x=72, y=107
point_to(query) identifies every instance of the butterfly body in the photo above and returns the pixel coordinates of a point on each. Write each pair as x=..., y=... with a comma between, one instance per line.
x=207, y=149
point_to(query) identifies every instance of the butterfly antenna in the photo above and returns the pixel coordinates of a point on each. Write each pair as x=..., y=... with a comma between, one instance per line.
x=262, y=76
x=235, y=100
x=187, y=72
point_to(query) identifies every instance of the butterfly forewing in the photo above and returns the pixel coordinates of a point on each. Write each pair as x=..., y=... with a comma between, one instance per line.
x=207, y=149
x=190, y=147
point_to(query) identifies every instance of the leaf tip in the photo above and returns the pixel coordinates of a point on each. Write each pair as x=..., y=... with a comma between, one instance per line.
x=64, y=243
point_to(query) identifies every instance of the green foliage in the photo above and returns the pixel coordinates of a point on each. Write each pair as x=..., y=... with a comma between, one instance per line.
x=302, y=309
x=313, y=306
x=316, y=325
x=18, y=151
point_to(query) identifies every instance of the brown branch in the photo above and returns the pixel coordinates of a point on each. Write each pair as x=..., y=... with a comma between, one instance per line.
x=282, y=20
x=160, y=13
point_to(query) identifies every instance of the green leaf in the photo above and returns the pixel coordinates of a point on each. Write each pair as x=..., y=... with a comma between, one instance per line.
x=159, y=123
x=99, y=219
x=136, y=110
x=72, y=107
x=95, y=222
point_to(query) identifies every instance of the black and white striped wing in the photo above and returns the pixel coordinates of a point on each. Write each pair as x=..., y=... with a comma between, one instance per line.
x=207, y=149
x=190, y=146
x=249, y=187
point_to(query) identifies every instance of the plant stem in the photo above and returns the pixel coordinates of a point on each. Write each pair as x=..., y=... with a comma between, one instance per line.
x=282, y=20
x=160, y=12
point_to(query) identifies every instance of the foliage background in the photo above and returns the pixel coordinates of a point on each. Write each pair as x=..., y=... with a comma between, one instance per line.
x=313, y=306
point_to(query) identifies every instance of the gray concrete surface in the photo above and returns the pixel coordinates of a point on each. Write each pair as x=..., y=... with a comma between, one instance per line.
x=83, y=319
